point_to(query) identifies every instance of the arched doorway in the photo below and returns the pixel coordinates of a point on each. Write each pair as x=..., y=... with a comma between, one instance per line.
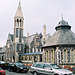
x=13, y=58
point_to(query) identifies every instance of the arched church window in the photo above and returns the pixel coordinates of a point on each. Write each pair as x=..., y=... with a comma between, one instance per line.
x=72, y=55
x=65, y=55
x=52, y=56
x=17, y=22
x=20, y=22
x=26, y=58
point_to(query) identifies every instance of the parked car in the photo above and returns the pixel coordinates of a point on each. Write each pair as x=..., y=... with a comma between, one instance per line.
x=3, y=64
x=2, y=72
x=41, y=68
x=18, y=67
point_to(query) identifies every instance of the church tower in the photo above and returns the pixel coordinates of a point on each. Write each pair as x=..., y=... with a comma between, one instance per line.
x=18, y=32
x=18, y=24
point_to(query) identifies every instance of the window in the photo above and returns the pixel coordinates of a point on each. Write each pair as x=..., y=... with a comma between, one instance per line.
x=55, y=66
x=72, y=55
x=40, y=65
x=65, y=55
x=34, y=65
x=17, y=22
x=46, y=66
x=25, y=58
x=20, y=47
x=16, y=32
x=20, y=22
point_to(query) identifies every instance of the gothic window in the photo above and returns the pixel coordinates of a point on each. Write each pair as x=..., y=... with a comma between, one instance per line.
x=17, y=22
x=20, y=47
x=62, y=56
x=29, y=58
x=65, y=55
x=47, y=56
x=26, y=58
x=20, y=35
x=68, y=55
x=51, y=55
x=16, y=32
x=20, y=22
x=72, y=55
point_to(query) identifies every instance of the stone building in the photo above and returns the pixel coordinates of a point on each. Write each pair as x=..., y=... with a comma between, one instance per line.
x=15, y=42
x=60, y=48
x=33, y=48
x=2, y=53
x=21, y=48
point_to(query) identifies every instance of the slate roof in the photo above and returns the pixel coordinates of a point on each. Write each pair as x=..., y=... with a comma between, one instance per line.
x=61, y=37
x=11, y=37
x=29, y=39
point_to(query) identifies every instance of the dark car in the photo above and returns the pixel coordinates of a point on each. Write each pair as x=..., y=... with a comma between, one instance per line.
x=3, y=64
x=42, y=68
x=18, y=67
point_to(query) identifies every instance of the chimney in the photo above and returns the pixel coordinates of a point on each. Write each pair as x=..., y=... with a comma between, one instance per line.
x=44, y=34
x=44, y=31
x=27, y=34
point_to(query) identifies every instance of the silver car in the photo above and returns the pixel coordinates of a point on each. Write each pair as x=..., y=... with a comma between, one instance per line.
x=40, y=68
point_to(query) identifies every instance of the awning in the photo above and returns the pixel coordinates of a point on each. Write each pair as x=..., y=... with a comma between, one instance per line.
x=36, y=53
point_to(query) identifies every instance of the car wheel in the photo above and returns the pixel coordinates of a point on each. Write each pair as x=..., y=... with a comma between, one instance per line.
x=17, y=71
x=8, y=69
x=35, y=73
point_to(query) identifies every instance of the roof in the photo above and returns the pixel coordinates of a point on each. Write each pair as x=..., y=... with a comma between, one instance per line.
x=61, y=37
x=11, y=37
x=36, y=53
x=63, y=23
x=19, y=11
x=29, y=39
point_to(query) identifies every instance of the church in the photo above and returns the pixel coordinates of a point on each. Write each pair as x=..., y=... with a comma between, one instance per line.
x=58, y=48
x=21, y=48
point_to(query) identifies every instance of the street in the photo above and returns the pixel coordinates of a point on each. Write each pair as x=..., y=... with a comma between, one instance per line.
x=14, y=73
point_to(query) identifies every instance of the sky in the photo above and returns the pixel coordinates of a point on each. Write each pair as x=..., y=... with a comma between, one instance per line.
x=36, y=13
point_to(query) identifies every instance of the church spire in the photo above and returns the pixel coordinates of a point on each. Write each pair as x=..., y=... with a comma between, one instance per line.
x=19, y=11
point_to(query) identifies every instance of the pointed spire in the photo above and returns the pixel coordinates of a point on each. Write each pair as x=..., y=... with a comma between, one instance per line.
x=19, y=1
x=19, y=11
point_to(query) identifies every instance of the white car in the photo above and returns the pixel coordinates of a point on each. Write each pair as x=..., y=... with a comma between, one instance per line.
x=41, y=68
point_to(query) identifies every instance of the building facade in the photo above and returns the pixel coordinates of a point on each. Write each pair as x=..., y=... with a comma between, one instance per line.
x=60, y=48
x=15, y=42
x=21, y=48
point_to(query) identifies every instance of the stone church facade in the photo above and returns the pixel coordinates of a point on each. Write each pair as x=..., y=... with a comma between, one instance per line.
x=15, y=42
x=21, y=48
x=60, y=48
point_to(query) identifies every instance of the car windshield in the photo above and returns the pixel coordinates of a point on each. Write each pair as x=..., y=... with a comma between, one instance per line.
x=55, y=66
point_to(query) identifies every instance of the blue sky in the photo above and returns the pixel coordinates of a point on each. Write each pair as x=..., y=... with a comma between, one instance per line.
x=36, y=13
